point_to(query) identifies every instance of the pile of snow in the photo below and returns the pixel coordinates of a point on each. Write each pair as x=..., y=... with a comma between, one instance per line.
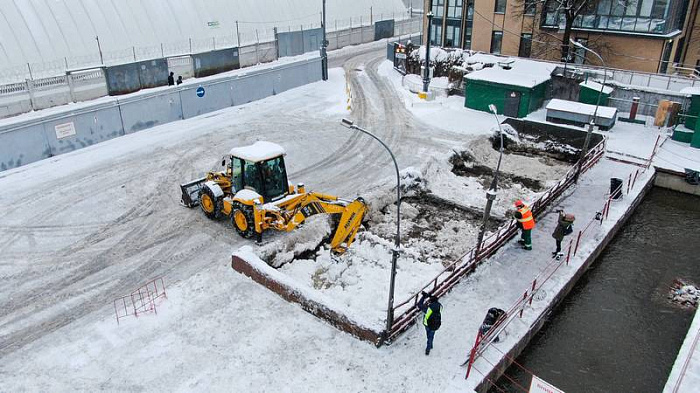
x=284, y=249
x=685, y=294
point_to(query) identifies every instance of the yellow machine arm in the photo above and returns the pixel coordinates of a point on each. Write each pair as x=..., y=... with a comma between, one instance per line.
x=293, y=211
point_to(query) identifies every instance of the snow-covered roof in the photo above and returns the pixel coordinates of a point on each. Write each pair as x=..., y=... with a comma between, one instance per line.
x=258, y=151
x=523, y=73
x=596, y=86
x=578, y=107
x=47, y=31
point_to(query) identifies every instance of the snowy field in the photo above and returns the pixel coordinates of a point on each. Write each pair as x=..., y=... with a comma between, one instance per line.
x=81, y=229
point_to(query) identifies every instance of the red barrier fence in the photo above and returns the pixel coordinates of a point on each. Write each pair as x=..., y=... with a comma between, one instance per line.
x=543, y=277
x=140, y=300
x=465, y=264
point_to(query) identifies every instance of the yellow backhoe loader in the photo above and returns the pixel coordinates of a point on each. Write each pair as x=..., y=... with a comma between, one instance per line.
x=253, y=191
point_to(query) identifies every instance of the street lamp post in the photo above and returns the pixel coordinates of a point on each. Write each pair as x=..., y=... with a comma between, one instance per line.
x=324, y=46
x=587, y=141
x=426, y=72
x=493, y=190
x=397, y=241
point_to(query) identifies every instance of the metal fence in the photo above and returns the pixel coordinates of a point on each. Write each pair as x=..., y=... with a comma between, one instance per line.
x=252, y=47
x=32, y=140
x=188, y=46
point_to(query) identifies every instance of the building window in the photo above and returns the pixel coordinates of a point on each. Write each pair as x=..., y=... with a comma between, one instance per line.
x=663, y=67
x=454, y=9
x=642, y=16
x=530, y=7
x=468, y=35
x=468, y=25
x=453, y=33
x=500, y=7
x=496, y=40
x=438, y=8
x=525, y=45
x=436, y=33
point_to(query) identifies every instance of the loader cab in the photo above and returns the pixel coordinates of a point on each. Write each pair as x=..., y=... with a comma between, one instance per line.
x=260, y=168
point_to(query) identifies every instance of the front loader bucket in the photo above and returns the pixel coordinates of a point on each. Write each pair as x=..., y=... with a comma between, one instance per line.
x=190, y=192
x=349, y=223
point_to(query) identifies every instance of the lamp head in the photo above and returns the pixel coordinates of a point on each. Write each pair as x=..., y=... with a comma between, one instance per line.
x=347, y=123
x=576, y=43
x=492, y=108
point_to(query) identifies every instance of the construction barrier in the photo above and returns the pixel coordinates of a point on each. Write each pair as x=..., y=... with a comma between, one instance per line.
x=141, y=300
x=518, y=307
x=465, y=264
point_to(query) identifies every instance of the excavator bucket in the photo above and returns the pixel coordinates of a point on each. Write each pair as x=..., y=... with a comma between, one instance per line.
x=349, y=223
x=190, y=192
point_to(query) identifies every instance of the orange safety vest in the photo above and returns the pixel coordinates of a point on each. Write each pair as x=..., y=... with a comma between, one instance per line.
x=527, y=220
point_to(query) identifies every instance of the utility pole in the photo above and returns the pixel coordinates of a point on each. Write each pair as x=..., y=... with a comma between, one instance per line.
x=324, y=46
x=238, y=37
x=99, y=48
x=426, y=73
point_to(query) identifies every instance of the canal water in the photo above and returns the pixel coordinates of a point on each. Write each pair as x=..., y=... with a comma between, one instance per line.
x=617, y=330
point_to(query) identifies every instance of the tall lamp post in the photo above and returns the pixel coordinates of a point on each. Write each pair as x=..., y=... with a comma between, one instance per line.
x=587, y=141
x=493, y=190
x=324, y=45
x=397, y=241
x=426, y=72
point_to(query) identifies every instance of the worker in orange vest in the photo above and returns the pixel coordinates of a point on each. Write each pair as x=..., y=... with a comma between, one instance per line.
x=525, y=222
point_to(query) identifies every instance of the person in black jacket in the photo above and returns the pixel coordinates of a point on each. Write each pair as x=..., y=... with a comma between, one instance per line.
x=432, y=318
x=171, y=79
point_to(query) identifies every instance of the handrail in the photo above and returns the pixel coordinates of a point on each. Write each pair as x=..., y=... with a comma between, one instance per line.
x=469, y=260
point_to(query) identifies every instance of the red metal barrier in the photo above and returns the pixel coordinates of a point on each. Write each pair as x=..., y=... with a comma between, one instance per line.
x=542, y=278
x=140, y=300
x=466, y=263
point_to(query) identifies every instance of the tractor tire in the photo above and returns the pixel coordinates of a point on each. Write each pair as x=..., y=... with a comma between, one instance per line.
x=211, y=205
x=243, y=220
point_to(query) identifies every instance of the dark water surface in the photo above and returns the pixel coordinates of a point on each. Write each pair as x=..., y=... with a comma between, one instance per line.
x=616, y=331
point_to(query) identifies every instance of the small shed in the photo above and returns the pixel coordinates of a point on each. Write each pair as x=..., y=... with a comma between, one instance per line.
x=590, y=90
x=516, y=87
x=576, y=113
x=694, y=108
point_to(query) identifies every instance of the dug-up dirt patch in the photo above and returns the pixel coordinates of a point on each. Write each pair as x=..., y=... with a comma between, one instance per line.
x=526, y=169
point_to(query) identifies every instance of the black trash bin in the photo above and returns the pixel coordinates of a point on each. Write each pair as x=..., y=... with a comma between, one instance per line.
x=615, y=188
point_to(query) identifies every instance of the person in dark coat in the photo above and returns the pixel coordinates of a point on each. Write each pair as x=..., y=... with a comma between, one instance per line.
x=179, y=80
x=564, y=227
x=171, y=79
x=432, y=318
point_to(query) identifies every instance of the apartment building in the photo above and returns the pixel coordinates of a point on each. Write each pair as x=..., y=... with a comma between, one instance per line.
x=644, y=35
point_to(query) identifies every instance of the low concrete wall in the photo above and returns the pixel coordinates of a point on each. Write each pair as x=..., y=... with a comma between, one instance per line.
x=32, y=140
x=674, y=181
x=505, y=362
x=315, y=308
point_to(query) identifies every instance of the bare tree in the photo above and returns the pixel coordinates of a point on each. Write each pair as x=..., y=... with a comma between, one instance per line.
x=568, y=9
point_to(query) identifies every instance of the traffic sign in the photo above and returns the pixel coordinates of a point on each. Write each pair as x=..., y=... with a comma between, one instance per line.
x=200, y=91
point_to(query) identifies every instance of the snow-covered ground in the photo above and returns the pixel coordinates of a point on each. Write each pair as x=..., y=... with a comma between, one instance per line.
x=81, y=229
